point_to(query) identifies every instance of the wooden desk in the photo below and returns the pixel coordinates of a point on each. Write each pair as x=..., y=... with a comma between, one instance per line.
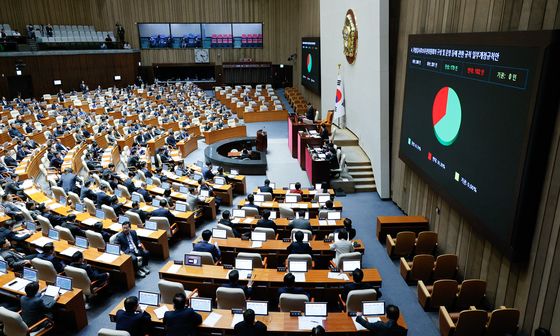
x=303, y=140
x=272, y=115
x=282, y=323
x=225, y=133
x=225, y=192
x=121, y=269
x=238, y=181
x=313, y=208
x=275, y=251
x=187, y=146
x=318, y=170
x=29, y=166
x=69, y=310
x=266, y=281
x=320, y=228
x=185, y=220
x=307, y=195
x=293, y=127
x=395, y=224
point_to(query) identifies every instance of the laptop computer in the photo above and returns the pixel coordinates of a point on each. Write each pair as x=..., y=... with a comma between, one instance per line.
x=3, y=267
x=150, y=225
x=219, y=233
x=29, y=274
x=62, y=200
x=113, y=249
x=373, y=308
x=259, y=198
x=31, y=226
x=82, y=242
x=234, y=172
x=219, y=180
x=259, y=307
x=155, y=202
x=54, y=234
x=196, y=176
x=334, y=215
x=258, y=236
x=149, y=181
x=165, y=185
x=135, y=198
x=148, y=298
x=183, y=190
x=63, y=282
x=297, y=266
x=318, y=186
x=100, y=214
x=238, y=213
x=351, y=265
x=291, y=199
x=318, y=309
x=123, y=219
x=182, y=207
x=324, y=198
x=79, y=207
x=201, y=304
x=272, y=185
x=243, y=264
x=118, y=193
x=192, y=260
x=205, y=193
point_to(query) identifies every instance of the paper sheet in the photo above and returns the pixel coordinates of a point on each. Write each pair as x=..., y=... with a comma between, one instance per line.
x=18, y=284
x=236, y=319
x=91, y=221
x=322, y=222
x=106, y=257
x=256, y=244
x=211, y=319
x=357, y=325
x=336, y=275
x=143, y=232
x=309, y=322
x=70, y=251
x=300, y=276
x=235, y=220
x=42, y=241
x=248, y=220
x=174, y=268
x=331, y=222
x=115, y=227
x=160, y=311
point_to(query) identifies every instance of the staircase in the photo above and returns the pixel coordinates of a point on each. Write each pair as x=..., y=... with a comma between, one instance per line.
x=357, y=162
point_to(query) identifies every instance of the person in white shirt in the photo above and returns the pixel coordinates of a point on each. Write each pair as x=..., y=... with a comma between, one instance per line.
x=343, y=245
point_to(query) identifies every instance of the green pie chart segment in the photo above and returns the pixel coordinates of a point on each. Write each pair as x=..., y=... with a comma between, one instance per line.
x=446, y=116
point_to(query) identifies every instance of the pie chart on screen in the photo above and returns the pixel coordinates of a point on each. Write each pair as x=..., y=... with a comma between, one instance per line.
x=309, y=63
x=446, y=116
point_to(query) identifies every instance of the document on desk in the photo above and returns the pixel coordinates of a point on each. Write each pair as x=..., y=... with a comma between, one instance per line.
x=143, y=232
x=248, y=220
x=300, y=276
x=70, y=251
x=212, y=319
x=322, y=222
x=90, y=221
x=115, y=227
x=27, y=184
x=54, y=206
x=107, y=258
x=42, y=241
x=256, y=244
x=236, y=319
x=331, y=222
x=339, y=276
x=357, y=325
x=174, y=269
x=309, y=322
x=161, y=311
x=18, y=284
x=235, y=220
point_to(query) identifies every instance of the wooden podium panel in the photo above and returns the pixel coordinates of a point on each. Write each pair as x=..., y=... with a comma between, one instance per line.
x=225, y=133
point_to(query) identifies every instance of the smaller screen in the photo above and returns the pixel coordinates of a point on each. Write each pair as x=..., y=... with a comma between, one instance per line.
x=53, y=234
x=291, y=199
x=238, y=213
x=193, y=260
x=82, y=242
x=258, y=236
x=316, y=309
x=99, y=214
x=334, y=215
x=64, y=282
x=373, y=308
x=259, y=307
x=29, y=274
x=259, y=198
x=243, y=264
x=297, y=266
x=180, y=207
x=150, y=225
x=201, y=304
x=351, y=265
x=113, y=249
x=148, y=298
x=219, y=233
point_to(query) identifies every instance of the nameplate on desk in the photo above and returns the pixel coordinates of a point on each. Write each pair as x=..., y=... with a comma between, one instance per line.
x=286, y=240
x=295, y=313
x=281, y=269
x=228, y=266
x=328, y=240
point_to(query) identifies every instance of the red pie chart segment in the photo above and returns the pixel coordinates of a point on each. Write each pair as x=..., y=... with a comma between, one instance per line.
x=446, y=116
x=440, y=104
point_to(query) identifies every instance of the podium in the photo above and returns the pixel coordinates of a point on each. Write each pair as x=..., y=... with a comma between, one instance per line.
x=262, y=142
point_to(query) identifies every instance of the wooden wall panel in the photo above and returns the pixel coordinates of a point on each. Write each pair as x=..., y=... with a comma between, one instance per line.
x=533, y=286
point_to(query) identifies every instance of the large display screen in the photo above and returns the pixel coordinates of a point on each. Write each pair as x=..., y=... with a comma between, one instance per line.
x=311, y=63
x=470, y=125
x=200, y=35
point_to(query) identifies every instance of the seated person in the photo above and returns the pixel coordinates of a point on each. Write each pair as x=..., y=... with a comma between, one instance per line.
x=343, y=245
x=329, y=205
x=132, y=318
x=297, y=189
x=162, y=211
x=251, y=202
x=104, y=199
x=205, y=246
x=265, y=222
x=318, y=331
x=226, y=221
x=49, y=255
x=181, y=321
x=35, y=307
x=57, y=161
x=357, y=277
x=15, y=260
x=266, y=187
x=207, y=171
x=86, y=192
x=127, y=239
x=301, y=222
x=390, y=327
x=233, y=282
x=289, y=287
x=142, y=191
x=141, y=213
x=98, y=227
x=298, y=246
x=129, y=183
x=348, y=227
x=93, y=274
x=248, y=327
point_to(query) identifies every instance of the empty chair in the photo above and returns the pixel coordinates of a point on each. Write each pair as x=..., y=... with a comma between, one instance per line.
x=140, y=196
x=90, y=206
x=346, y=256
x=163, y=224
x=402, y=245
x=109, y=212
x=45, y=270
x=419, y=269
x=14, y=325
x=58, y=193
x=471, y=293
x=356, y=297
x=230, y=298
x=81, y=280
x=228, y=229
x=95, y=240
x=45, y=224
x=426, y=243
x=168, y=289
x=300, y=257
x=258, y=261
x=206, y=257
x=445, y=267
x=270, y=234
x=286, y=212
x=124, y=191
x=74, y=198
x=134, y=218
x=65, y=234
x=250, y=211
x=267, y=196
x=112, y=332
x=442, y=293
x=292, y=302
x=469, y=323
x=503, y=321
x=298, y=196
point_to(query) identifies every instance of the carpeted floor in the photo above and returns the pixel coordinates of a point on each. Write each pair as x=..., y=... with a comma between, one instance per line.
x=362, y=208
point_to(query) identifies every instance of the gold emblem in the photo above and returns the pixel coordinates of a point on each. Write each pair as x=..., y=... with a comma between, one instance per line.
x=350, y=36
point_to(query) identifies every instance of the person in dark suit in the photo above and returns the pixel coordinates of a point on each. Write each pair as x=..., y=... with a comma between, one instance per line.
x=60, y=147
x=16, y=261
x=92, y=273
x=310, y=113
x=207, y=171
x=57, y=161
x=248, y=327
x=318, y=331
x=182, y=321
x=227, y=221
x=68, y=181
x=301, y=222
x=127, y=239
x=170, y=140
x=142, y=191
x=35, y=307
x=101, y=197
x=348, y=227
x=136, y=209
x=15, y=133
x=129, y=183
x=266, y=187
x=86, y=192
x=162, y=211
x=388, y=328
x=265, y=222
x=233, y=282
x=48, y=255
x=205, y=246
x=299, y=247
x=289, y=287
x=9, y=160
x=358, y=276
x=132, y=318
